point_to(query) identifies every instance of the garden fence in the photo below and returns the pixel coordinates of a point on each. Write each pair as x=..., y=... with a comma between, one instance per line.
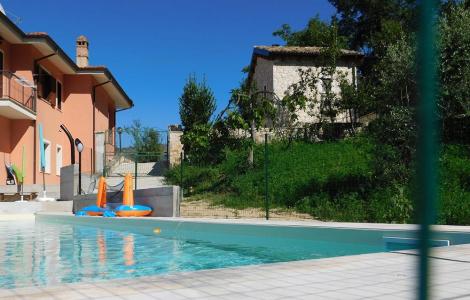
x=146, y=161
x=263, y=199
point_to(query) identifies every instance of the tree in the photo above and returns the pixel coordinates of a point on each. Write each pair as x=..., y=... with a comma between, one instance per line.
x=196, y=104
x=366, y=22
x=316, y=34
x=147, y=144
x=316, y=92
x=455, y=62
x=252, y=109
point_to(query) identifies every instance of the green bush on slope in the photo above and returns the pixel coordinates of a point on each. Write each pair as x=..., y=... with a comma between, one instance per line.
x=330, y=181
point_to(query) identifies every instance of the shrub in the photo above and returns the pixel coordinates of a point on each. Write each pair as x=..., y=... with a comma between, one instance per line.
x=345, y=208
x=331, y=181
x=454, y=188
x=391, y=205
x=196, y=179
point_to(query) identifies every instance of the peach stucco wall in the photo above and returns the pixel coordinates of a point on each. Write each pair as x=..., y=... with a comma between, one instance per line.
x=76, y=114
x=4, y=145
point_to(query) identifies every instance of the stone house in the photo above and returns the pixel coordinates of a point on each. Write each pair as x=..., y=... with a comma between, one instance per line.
x=276, y=68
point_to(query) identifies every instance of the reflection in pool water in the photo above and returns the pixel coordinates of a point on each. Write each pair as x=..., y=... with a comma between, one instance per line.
x=46, y=254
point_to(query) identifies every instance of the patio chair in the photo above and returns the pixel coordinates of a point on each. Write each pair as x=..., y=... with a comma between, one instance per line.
x=11, y=178
x=92, y=185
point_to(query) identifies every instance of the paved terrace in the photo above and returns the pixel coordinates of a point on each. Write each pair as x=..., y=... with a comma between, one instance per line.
x=369, y=276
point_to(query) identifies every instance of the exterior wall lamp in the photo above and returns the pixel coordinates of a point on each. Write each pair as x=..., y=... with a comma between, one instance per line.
x=80, y=147
x=120, y=130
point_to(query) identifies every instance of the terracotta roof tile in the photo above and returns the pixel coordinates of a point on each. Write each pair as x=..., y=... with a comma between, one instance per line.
x=93, y=67
x=303, y=51
x=36, y=34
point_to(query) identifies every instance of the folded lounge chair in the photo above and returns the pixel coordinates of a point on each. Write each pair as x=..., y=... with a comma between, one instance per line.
x=93, y=184
x=11, y=178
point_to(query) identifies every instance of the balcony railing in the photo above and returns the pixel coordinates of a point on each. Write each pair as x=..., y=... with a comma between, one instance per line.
x=18, y=90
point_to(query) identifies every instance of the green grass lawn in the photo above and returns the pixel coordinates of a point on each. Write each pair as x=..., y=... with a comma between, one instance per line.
x=330, y=181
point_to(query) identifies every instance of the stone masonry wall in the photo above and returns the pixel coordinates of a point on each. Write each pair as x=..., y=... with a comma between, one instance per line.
x=263, y=75
x=175, y=147
x=285, y=73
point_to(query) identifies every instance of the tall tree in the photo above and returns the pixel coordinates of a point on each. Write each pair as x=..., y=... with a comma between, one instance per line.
x=366, y=22
x=455, y=61
x=197, y=103
x=316, y=91
x=316, y=34
x=250, y=110
x=146, y=141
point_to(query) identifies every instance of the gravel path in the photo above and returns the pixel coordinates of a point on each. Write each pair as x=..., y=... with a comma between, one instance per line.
x=204, y=209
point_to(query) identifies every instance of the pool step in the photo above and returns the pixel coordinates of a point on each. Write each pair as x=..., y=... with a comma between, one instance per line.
x=393, y=243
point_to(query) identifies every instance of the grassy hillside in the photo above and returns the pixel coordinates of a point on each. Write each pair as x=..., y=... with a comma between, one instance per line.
x=331, y=181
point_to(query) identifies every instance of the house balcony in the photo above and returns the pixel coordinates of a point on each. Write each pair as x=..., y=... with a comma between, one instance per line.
x=17, y=97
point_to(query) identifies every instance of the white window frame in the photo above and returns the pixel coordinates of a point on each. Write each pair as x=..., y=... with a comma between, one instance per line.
x=58, y=159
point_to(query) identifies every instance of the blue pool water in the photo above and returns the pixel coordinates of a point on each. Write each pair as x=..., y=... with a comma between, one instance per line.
x=45, y=253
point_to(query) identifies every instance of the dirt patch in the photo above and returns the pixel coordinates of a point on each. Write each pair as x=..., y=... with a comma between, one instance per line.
x=205, y=209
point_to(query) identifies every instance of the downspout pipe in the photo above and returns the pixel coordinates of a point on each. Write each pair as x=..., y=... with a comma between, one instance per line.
x=93, y=97
x=72, y=143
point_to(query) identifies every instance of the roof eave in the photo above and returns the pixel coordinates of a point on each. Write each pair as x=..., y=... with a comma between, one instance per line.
x=55, y=48
x=109, y=76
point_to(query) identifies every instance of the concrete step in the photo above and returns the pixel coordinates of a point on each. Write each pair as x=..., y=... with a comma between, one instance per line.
x=143, y=182
x=32, y=207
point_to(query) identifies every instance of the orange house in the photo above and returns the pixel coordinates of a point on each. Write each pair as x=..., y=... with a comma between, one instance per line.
x=40, y=84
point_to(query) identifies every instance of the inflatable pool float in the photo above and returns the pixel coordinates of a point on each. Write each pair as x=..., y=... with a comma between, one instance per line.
x=128, y=208
x=133, y=211
x=100, y=208
x=92, y=211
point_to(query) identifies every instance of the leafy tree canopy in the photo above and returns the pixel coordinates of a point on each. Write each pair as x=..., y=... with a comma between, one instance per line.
x=197, y=103
x=316, y=34
x=146, y=141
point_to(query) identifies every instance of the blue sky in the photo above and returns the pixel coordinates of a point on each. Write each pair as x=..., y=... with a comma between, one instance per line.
x=151, y=46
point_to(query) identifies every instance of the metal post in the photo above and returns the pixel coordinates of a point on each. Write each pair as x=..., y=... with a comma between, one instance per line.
x=427, y=140
x=266, y=176
x=105, y=172
x=120, y=142
x=135, y=170
x=79, y=172
x=181, y=171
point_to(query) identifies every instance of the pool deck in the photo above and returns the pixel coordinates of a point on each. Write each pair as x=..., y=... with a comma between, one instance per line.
x=389, y=275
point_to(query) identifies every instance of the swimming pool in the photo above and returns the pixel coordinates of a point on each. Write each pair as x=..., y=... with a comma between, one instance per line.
x=63, y=249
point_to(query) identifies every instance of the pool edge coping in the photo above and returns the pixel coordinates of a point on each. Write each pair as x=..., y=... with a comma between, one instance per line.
x=282, y=223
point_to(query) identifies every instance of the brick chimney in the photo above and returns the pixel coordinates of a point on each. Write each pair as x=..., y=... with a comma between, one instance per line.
x=82, y=51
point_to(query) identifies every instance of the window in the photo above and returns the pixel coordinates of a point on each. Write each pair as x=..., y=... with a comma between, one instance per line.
x=58, y=158
x=59, y=95
x=47, y=86
x=47, y=154
x=327, y=83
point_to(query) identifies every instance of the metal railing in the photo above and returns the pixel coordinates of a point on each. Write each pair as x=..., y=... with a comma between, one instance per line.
x=18, y=89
